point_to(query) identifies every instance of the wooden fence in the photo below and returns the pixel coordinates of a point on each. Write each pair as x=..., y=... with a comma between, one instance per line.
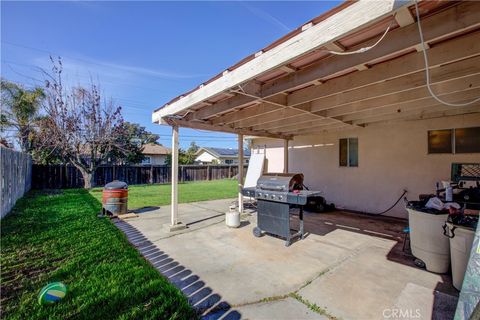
x=66, y=176
x=16, y=172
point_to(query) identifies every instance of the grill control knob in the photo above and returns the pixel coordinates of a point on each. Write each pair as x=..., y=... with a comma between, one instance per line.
x=280, y=197
x=259, y=194
x=273, y=196
x=266, y=195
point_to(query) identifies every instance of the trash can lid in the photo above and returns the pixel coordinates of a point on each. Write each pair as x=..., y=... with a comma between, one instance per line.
x=116, y=185
x=466, y=221
x=419, y=206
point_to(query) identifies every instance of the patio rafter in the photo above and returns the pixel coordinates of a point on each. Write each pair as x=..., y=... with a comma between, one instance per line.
x=443, y=53
x=459, y=18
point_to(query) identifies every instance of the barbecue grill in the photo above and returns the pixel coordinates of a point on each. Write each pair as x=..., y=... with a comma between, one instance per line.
x=276, y=195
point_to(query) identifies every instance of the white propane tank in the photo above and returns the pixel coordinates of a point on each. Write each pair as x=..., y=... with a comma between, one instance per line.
x=232, y=218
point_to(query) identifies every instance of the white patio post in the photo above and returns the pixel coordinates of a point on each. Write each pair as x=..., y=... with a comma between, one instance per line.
x=174, y=223
x=240, y=173
x=285, y=156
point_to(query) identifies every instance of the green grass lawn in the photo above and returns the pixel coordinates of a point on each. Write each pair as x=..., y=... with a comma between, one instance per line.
x=159, y=195
x=56, y=236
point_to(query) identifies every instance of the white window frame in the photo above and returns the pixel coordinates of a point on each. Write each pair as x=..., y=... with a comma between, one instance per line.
x=348, y=153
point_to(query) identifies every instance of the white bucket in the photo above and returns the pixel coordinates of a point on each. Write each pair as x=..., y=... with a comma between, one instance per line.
x=427, y=240
x=461, y=242
x=232, y=219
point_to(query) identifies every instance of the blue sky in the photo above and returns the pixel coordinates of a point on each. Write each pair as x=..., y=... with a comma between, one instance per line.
x=143, y=53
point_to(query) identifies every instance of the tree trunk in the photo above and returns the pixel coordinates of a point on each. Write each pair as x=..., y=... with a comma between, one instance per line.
x=88, y=177
x=88, y=181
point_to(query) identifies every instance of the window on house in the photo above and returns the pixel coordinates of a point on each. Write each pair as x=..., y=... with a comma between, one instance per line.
x=229, y=161
x=348, y=152
x=460, y=140
x=440, y=141
x=467, y=140
x=146, y=160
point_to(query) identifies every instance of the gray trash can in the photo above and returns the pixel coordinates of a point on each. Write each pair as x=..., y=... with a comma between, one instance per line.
x=461, y=233
x=115, y=198
x=426, y=237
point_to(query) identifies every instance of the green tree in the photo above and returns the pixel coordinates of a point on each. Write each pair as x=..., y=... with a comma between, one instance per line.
x=19, y=112
x=185, y=156
x=135, y=136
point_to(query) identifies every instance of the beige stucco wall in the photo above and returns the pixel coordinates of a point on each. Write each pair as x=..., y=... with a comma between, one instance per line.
x=392, y=157
x=157, y=159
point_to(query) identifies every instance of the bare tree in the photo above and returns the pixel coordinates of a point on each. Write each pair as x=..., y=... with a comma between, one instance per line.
x=80, y=127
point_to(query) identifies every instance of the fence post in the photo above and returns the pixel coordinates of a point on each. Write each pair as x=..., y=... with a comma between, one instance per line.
x=209, y=172
x=151, y=174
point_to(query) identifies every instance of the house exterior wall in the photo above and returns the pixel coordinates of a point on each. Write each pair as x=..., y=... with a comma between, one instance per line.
x=206, y=157
x=392, y=157
x=155, y=159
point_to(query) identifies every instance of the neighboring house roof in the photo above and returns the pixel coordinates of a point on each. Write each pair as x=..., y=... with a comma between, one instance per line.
x=223, y=152
x=155, y=149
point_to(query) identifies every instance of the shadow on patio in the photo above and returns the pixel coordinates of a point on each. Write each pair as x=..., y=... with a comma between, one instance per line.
x=208, y=304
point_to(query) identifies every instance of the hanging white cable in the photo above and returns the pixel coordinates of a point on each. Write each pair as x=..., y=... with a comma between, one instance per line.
x=364, y=49
x=427, y=71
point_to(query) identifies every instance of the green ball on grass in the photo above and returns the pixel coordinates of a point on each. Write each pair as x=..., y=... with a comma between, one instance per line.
x=52, y=293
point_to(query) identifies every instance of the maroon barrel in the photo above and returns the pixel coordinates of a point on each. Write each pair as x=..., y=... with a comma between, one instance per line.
x=115, y=198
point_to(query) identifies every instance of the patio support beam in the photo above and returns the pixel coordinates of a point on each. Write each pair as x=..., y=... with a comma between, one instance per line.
x=229, y=129
x=174, y=225
x=240, y=173
x=285, y=156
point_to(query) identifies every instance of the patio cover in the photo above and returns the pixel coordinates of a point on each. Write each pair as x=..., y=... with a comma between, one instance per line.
x=296, y=86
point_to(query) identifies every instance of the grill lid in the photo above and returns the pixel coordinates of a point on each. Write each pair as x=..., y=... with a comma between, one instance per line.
x=280, y=182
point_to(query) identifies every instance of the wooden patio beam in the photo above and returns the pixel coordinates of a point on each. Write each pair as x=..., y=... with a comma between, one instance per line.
x=450, y=86
x=206, y=126
x=319, y=129
x=425, y=113
x=279, y=113
x=458, y=18
x=443, y=53
x=245, y=113
x=412, y=105
x=306, y=110
x=404, y=17
x=352, y=17
x=452, y=20
x=448, y=72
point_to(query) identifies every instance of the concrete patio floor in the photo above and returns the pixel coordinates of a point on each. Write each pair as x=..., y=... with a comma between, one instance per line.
x=349, y=266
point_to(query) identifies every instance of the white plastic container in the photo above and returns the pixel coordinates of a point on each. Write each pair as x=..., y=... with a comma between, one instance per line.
x=427, y=240
x=460, y=247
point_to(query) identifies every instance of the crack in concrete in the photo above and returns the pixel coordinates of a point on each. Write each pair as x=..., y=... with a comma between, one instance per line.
x=295, y=295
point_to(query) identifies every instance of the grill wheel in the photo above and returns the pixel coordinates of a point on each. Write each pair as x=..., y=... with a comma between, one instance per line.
x=257, y=232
